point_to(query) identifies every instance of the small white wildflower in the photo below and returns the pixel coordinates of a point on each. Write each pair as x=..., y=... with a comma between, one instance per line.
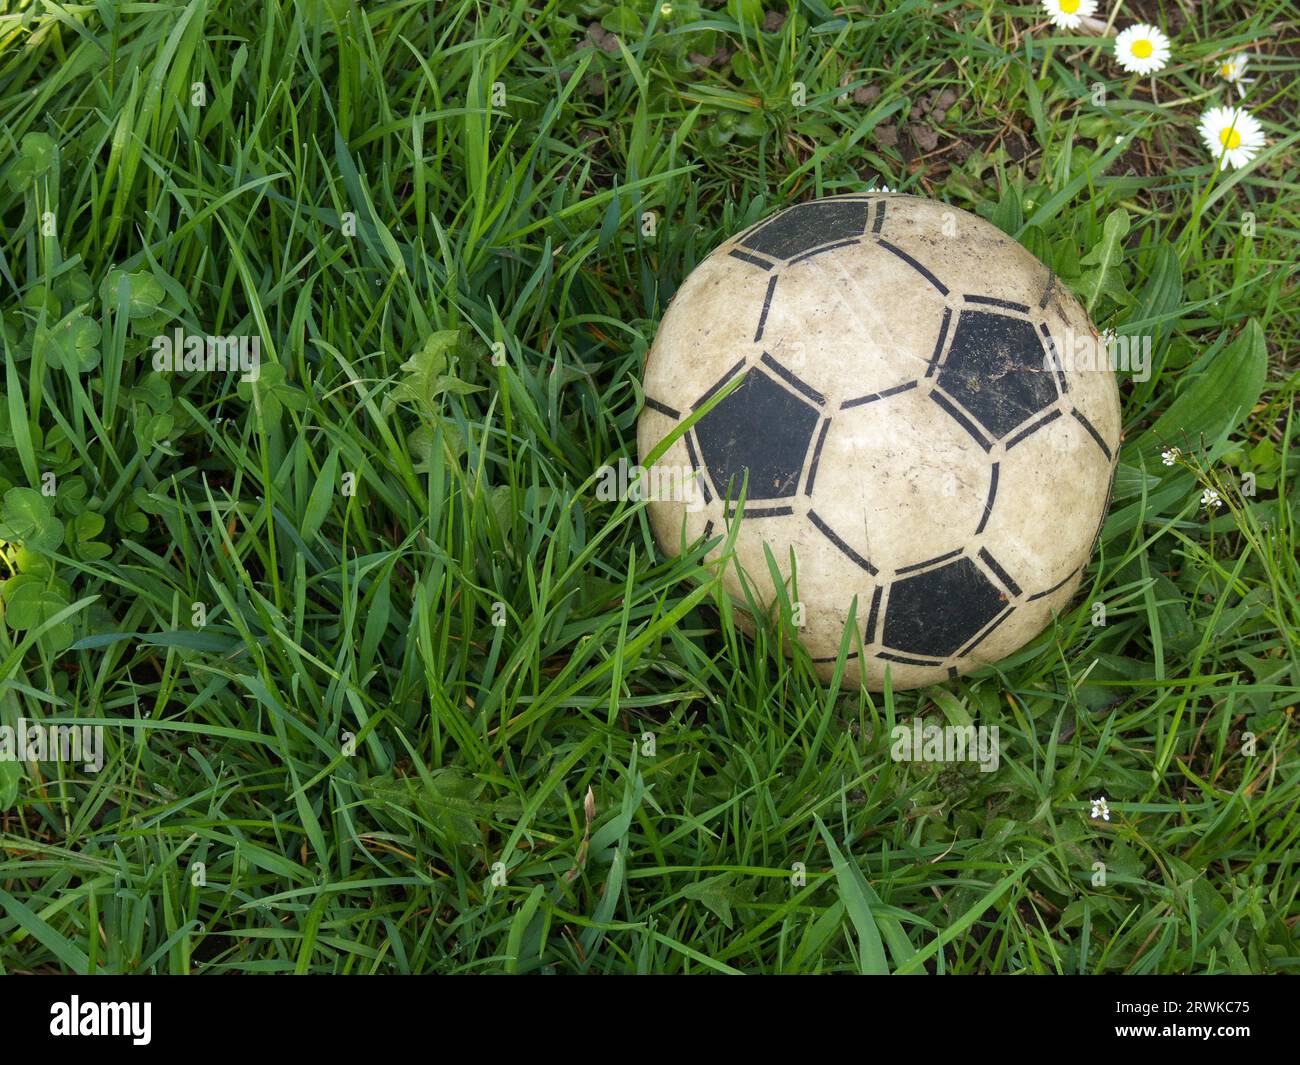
x=1210, y=498
x=1233, y=71
x=1232, y=135
x=1069, y=14
x=1170, y=457
x=1142, y=49
x=1100, y=809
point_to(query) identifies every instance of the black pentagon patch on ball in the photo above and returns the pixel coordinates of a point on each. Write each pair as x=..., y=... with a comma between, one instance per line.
x=936, y=612
x=809, y=226
x=762, y=428
x=996, y=368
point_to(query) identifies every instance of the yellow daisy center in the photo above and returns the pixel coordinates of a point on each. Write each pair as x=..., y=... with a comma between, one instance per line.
x=1069, y=7
x=1142, y=48
x=1225, y=70
x=1230, y=138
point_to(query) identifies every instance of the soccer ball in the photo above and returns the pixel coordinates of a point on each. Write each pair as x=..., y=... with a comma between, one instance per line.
x=892, y=420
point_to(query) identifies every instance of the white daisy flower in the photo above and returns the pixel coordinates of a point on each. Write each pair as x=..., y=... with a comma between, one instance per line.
x=1233, y=71
x=1142, y=49
x=1232, y=135
x=1234, y=67
x=1100, y=809
x=1210, y=498
x=1069, y=14
x=1169, y=457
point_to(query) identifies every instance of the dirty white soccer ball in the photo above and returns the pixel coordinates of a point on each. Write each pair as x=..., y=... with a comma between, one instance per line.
x=904, y=419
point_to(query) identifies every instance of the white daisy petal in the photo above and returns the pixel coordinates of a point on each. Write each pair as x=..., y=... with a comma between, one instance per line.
x=1142, y=49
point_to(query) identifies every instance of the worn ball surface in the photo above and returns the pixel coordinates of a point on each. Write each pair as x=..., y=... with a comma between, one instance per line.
x=900, y=410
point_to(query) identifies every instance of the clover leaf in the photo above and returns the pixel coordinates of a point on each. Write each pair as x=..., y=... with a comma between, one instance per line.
x=154, y=391
x=144, y=292
x=40, y=298
x=32, y=562
x=35, y=159
x=74, y=288
x=26, y=517
x=72, y=344
x=81, y=533
x=73, y=493
x=152, y=429
x=273, y=392
x=12, y=334
x=30, y=602
x=129, y=516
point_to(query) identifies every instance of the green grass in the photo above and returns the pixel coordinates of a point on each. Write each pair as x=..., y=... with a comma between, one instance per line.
x=349, y=745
